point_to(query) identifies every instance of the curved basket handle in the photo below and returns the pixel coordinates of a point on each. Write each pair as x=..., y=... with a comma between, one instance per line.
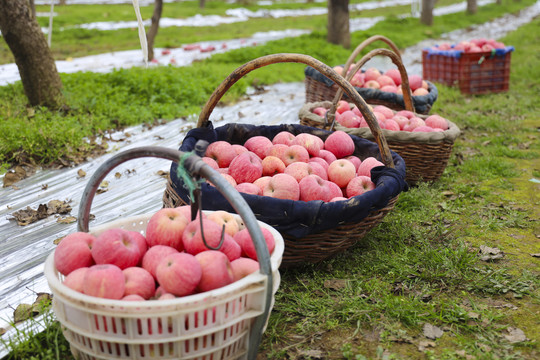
x=323, y=69
x=407, y=93
x=195, y=166
x=363, y=45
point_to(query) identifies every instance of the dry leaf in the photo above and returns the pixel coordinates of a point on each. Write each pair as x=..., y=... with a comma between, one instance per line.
x=58, y=207
x=81, y=173
x=515, y=335
x=432, y=331
x=23, y=312
x=336, y=284
x=473, y=315
x=311, y=354
x=535, y=255
x=423, y=345
x=489, y=254
x=67, y=220
x=163, y=174
x=117, y=175
x=14, y=176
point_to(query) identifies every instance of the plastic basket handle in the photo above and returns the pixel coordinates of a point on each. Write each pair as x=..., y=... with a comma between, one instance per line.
x=407, y=93
x=195, y=166
x=323, y=69
x=364, y=44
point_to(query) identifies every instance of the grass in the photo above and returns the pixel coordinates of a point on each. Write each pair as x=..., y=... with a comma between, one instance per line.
x=420, y=265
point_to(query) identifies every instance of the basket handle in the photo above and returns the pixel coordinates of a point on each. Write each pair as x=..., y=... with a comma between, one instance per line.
x=194, y=166
x=324, y=69
x=407, y=92
x=364, y=44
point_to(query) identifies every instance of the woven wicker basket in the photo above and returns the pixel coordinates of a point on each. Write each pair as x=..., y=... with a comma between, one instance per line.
x=426, y=154
x=319, y=88
x=319, y=245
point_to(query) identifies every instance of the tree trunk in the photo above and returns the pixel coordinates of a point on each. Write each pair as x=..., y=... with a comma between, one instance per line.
x=472, y=7
x=62, y=2
x=32, y=7
x=202, y=4
x=39, y=76
x=338, y=23
x=426, y=17
x=158, y=9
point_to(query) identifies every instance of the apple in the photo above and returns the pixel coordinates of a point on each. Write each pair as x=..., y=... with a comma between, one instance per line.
x=309, y=142
x=211, y=162
x=359, y=185
x=386, y=111
x=259, y=145
x=75, y=279
x=140, y=239
x=385, y=80
x=327, y=156
x=342, y=106
x=341, y=172
x=420, y=92
x=395, y=75
x=262, y=182
x=166, y=296
x=390, y=88
x=401, y=121
x=222, y=217
x=231, y=248
x=340, y=144
x=186, y=211
x=423, y=128
x=133, y=297
x=282, y=186
x=116, y=246
x=355, y=160
x=338, y=198
x=415, y=82
x=358, y=80
x=335, y=190
x=272, y=165
x=138, y=281
x=312, y=187
x=373, y=84
x=357, y=112
x=166, y=227
x=154, y=255
x=193, y=239
x=319, y=169
x=73, y=252
x=249, y=188
x=295, y=153
x=179, y=274
x=372, y=74
x=216, y=270
x=243, y=267
x=277, y=150
x=244, y=239
x=246, y=167
x=104, y=281
x=425, y=85
x=392, y=125
x=222, y=152
x=319, y=160
x=414, y=123
x=319, y=110
x=229, y=178
x=436, y=121
x=348, y=119
x=298, y=170
x=367, y=164
x=406, y=113
x=339, y=69
x=238, y=149
x=285, y=137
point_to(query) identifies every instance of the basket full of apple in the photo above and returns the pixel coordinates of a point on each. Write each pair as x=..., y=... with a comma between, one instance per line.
x=176, y=283
x=321, y=190
x=476, y=66
x=377, y=87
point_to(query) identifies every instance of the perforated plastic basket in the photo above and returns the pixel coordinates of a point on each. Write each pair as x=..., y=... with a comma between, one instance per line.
x=224, y=323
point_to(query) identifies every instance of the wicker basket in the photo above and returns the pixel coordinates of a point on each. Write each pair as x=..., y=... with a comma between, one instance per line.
x=426, y=154
x=224, y=323
x=307, y=237
x=320, y=88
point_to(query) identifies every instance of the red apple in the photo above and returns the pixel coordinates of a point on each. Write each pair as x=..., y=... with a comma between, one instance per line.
x=133, y=297
x=321, y=111
x=222, y=217
x=340, y=144
x=104, y=281
x=420, y=92
x=216, y=270
x=406, y=113
x=367, y=164
x=423, y=128
x=139, y=282
x=358, y=80
x=154, y=255
x=244, y=239
x=319, y=160
x=372, y=84
x=415, y=82
x=277, y=150
x=262, y=182
x=327, y=156
x=390, y=88
x=395, y=75
x=334, y=190
x=193, y=238
x=312, y=187
x=222, y=152
x=284, y=137
x=249, y=188
x=355, y=160
x=385, y=80
x=319, y=169
x=166, y=227
x=272, y=165
x=436, y=121
x=282, y=186
x=348, y=119
x=246, y=167
x=309, y=142
x=342, y=106
x=295, y=153
x=359, y=185
x=386, y=111
x=211, y=162
x=341, y=172
x=140, y=239
x=298, y=170
x=392, y=125
x=401, y=121
x=414, y=123
x=259, y=145
x=230, y=248
x=116, y=246
x=73, y=252
x=372, y=74
x=75, y=279
x=179, y=274
x=243, y=267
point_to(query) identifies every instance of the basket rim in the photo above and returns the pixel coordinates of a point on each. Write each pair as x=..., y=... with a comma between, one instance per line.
x=200, y=300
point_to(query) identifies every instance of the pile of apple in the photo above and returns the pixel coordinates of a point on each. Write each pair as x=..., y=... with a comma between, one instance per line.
x=348, y=115
x=170, y=261
x=389, y=81
x=294, y=167
x=471, y=46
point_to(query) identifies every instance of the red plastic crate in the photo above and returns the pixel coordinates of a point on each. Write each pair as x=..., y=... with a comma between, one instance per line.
x=474, y=73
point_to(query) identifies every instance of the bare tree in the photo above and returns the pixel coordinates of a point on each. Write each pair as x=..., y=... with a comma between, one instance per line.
x=338, y=23
x=158, y=9
x=472, y=6
x=41, y=81
x=426, y=17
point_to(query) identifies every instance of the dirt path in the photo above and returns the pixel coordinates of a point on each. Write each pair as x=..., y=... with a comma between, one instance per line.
x=23, y=249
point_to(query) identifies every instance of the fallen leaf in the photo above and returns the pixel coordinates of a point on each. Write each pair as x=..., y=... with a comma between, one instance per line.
x=535, y=255
x=163, y=174
x=2, y=331
x=336, y=284
x=23, y=312
x=28, y=216
x=44, y=187
x=117, y=175
x=58, y=207
x=14, y=176
x=314, y=354
x=516, y=236
x=432, y=331
x=489, y=254
x=67, y=220
x=515, y=335
x=423, y=345
x=81, y=173
x=473, y=315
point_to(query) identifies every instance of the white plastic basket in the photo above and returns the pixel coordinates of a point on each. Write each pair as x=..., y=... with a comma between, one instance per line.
x=166, y=329
x=225, y=323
